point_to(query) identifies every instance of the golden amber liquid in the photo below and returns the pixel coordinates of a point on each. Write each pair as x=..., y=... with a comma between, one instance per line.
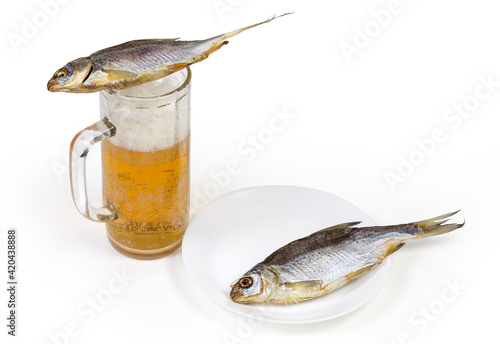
x=151, y=193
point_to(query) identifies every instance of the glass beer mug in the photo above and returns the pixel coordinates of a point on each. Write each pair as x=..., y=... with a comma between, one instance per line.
x=145, y=134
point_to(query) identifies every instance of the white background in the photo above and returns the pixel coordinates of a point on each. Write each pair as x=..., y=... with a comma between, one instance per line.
x=353, y=123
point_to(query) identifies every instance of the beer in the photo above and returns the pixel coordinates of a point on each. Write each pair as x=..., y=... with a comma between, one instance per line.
x=151, y=193
x=146, y=167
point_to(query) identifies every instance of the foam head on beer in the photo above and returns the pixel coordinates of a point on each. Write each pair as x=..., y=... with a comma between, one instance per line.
x=143, y=115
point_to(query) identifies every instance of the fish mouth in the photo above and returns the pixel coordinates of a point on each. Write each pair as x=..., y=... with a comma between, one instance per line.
x=238, y=297
x=233, y=297
x=235, y=294
x=54, y=86
x=51, y=85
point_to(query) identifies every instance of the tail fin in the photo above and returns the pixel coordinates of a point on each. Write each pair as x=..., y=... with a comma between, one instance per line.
x=218, y=41
x=436, y=225
x=210, y=45
x=235, y=32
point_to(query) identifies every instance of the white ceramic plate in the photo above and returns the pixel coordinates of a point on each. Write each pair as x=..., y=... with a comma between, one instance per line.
x=240, y=229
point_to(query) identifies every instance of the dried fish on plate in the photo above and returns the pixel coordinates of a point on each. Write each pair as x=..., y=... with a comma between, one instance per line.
x=328, y=259
x=135, y=62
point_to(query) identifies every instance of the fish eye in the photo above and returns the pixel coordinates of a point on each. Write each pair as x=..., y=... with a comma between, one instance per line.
x=61, y=74
x=245, y=282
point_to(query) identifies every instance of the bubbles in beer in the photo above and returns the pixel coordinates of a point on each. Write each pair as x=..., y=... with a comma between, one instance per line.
x=146, y=166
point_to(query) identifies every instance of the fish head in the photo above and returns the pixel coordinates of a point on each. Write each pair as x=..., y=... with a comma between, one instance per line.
x=71, y=77
x=254, y=286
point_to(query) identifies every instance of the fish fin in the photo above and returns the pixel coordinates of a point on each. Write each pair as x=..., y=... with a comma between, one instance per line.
x=214, y=48
x=339, y=227
x=394, y=247
x=335, y=284
x=133, y=44
x=235, y=32
x=175, y=67
x=162, y=72
x=304, y=285
x=102, y=78
x=118, y=74
x=355, y=274
x=436, y=225
x=220, y=40
x=321, y=238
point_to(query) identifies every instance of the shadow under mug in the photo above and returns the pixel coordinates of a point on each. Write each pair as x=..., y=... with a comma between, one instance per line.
x=145, y=142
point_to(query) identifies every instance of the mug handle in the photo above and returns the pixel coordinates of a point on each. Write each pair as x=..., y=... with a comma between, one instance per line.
x=79, y=149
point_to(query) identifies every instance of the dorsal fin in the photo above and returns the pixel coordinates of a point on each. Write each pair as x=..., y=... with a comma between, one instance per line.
x=339, y=226
x=330, y=236
x=132, y=44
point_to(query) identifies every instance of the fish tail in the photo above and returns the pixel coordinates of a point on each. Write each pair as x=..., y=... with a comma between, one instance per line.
x=438, y=225
x=235, y=32
x=218, y=42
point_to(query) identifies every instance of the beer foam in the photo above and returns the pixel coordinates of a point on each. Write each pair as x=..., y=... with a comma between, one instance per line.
x=149, y=117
